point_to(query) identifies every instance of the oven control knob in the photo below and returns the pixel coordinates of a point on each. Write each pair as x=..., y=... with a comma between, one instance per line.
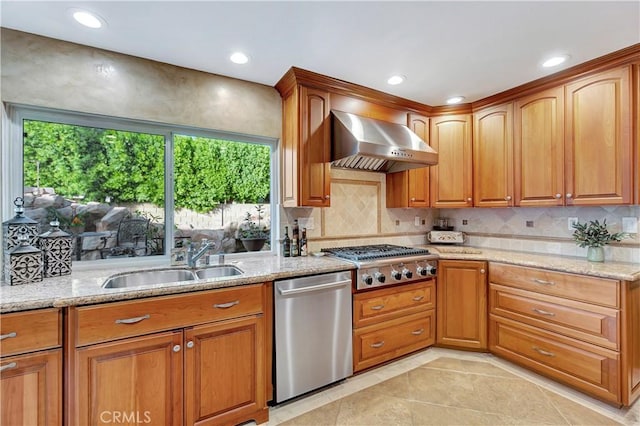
x=380, y=277
x=367, y=279
x=421, y=271
x=396, y=275
x=431, y=270
x=407, y=273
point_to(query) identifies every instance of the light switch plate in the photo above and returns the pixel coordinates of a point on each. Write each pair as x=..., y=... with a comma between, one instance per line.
x=630, y=225
x=416, y=221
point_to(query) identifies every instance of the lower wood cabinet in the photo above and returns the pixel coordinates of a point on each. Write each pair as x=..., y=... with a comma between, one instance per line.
x=31, y=368
x=462, y=304
x=31, y=389
x=579, y=330
x=588, y=367
x=392, y=322
x=211, y=372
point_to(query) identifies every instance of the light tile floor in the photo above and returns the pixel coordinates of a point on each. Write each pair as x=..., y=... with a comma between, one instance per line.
x=441, y=386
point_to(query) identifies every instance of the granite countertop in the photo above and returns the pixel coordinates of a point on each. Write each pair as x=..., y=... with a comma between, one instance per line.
x=577, y=265
x=84, y=286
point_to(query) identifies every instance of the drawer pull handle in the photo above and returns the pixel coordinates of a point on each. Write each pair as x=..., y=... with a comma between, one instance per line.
x=543, y=352
x=543, y=282
x=418, y=298
x=377, y=307
x=6, y=336
x=543, y=312
x=133, y=320
x=418, y=332
x=226, y=305
x=8, y=366
x=377, y=345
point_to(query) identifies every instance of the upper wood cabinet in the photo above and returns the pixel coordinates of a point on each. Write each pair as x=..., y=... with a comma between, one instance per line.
x=493, y=156
x=598, y=148
x=636, y=135
x=539, y=149
x=410, y=188
x=451, y=181
x=306, y=148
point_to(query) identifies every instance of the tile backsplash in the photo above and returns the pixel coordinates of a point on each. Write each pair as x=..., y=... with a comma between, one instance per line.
x=358, y=216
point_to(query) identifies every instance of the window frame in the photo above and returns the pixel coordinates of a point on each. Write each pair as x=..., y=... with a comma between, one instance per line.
x=12, y=162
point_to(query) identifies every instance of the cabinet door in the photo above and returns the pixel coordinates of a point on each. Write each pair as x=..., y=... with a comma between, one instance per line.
x=31, y=389
x=451, y=180
x=315, y=148
x=410, y=188
x=598, y=139
x=493, y=157
x=636, y=135
x=224, y=375
x=419, y=178
x=131, y=381
x=462, y=304
x=539, y=149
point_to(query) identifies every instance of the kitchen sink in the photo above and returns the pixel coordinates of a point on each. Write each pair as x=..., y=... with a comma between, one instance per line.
x=218, y=271
x=143, y=278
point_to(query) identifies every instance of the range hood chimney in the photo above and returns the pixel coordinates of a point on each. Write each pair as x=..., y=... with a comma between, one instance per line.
x=367, y=144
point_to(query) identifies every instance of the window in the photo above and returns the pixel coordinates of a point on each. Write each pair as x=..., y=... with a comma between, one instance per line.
x=110, y=182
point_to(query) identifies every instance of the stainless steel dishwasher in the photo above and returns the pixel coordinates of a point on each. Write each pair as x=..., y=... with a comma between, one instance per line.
x=313, y=343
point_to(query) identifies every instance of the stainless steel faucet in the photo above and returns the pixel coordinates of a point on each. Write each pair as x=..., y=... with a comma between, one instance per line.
x=193, y=255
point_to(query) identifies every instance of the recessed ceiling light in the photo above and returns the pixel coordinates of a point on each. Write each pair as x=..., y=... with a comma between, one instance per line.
x=239, y=58
x=396, y=79
x=87, y=19
x=455, y=100
x=555, y=60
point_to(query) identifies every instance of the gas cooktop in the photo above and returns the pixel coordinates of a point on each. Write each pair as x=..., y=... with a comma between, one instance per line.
x=371, y=252
x=386, y=264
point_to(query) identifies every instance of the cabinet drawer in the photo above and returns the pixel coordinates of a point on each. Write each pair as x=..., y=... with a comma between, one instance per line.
x=111, y=321
x=590, y=368
x=591, y=323
x=600, y=291
x=380, y=305
x=30, y=331
x=382, y=342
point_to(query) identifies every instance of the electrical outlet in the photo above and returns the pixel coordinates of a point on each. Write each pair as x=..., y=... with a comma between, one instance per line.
x=309, y=223
x=465, y=222
x=630, y=225
x=397, y=222
x=416, y=221
x=529, y=223
x=570, y=222
x=424, y=221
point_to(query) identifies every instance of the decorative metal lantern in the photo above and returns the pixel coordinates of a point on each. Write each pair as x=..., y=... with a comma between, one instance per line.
x=24, y=263
x=13, y=228
x=56, y=246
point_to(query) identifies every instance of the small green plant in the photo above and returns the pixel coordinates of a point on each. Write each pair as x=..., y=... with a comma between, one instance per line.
x=254, y=229
x=595, y=234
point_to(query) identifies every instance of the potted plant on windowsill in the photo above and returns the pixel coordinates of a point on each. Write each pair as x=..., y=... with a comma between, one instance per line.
x=595, y=235
x=253, y=233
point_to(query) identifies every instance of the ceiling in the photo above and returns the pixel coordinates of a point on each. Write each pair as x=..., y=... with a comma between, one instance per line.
x=473, y=49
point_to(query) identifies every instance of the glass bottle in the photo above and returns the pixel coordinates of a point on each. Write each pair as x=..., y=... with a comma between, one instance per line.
x=295, y=240
x=303, y=242
x=286, y=244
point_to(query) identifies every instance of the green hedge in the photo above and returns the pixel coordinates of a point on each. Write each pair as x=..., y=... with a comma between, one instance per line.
x=129, y=167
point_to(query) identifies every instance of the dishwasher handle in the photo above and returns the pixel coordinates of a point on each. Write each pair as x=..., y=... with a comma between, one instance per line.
x=311, y=288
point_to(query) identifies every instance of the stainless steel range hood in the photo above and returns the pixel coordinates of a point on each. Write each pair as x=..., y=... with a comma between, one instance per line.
x=367, y=144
